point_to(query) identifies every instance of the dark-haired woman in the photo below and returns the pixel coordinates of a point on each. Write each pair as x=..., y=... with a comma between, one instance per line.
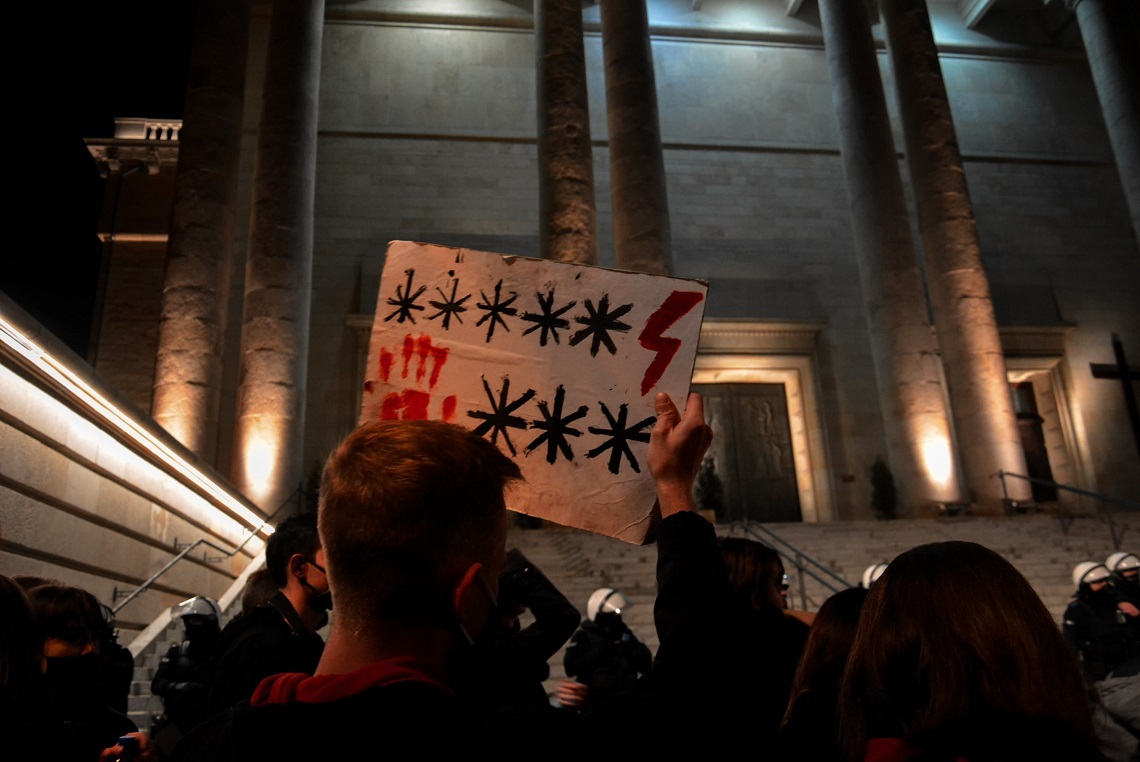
x=76, y=716
x=956, y=658
x=810, y=728
x=775, y=640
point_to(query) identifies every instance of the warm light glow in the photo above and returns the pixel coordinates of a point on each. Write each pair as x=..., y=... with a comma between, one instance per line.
x=116, y=419
x=259, y=464
x=937, y=460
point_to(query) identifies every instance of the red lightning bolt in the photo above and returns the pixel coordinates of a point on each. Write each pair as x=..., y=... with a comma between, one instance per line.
x=675, y=306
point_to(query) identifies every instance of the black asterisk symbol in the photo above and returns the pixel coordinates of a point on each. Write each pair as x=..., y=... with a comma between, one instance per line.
x=550, y=320
x=619, y=437
x=500, y=418
x=599, y=323
x=555, y=428
x=405, y=300
x=449, y=305
x=495, y=310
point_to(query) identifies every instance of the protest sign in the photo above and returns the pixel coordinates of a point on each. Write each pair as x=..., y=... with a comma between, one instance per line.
x=557, y=364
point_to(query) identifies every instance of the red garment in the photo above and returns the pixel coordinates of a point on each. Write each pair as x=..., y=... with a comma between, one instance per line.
x=893, y=750
x=297, y=686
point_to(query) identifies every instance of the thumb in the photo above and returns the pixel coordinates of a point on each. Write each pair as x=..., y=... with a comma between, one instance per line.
x=666, y=410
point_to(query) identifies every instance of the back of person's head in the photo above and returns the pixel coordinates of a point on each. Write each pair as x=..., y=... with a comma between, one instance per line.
x=405, y=506
x=295, y=535
x=755, y=573
x=954, y=645
x=259, y=588
x=19, y=649
x=828, y=643
x=28, y=581
x=68, y=615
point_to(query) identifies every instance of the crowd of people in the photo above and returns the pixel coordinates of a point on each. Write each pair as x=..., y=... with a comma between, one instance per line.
x=944, y=653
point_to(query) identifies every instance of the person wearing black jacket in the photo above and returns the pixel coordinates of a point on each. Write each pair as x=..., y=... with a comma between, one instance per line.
x=513, y=661
x=604, y=654
x=281, y=635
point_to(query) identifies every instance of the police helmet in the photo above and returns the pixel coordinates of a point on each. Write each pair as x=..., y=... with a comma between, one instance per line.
x=1088, y=572
x=1119, y=563
x=605, y=600
x=872, y=573
x=199, y=605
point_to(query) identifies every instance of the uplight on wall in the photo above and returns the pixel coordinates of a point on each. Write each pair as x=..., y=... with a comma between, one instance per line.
x=938, y=462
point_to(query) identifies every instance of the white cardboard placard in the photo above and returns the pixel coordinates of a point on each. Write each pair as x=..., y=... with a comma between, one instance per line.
x=555, y=363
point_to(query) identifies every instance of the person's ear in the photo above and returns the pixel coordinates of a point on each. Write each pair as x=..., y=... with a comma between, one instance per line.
x=473, y=601
x=297, y=565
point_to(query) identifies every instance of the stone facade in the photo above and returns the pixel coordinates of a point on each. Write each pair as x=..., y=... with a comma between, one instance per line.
x=427, y=132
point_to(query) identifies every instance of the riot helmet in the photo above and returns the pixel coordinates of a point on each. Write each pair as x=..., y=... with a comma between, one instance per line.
x=198, y=606
x=1089, y=573
x=605, y=600
x=872, y=573
x=1125, y=570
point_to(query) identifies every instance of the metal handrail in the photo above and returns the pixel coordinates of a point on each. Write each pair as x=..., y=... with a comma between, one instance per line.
x=1065, y=517
x=299, y=492
x=796, y=559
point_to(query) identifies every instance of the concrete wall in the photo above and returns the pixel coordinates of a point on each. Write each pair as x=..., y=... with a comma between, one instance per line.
x=94, y=494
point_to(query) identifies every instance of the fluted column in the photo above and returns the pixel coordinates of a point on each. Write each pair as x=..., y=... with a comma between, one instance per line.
x=275, y=326
x=988, y=439
x=199, y=251
x=567, y=213
x=642, y=239
x=1110, y=38
x=902, y=343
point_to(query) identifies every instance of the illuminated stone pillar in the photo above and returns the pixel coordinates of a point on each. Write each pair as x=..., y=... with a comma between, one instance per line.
x=642, y=240
x=199, y=252
x=902, y=343
x=567, y=213
x=1110, y=38
x=982, y=409
x=275, y=326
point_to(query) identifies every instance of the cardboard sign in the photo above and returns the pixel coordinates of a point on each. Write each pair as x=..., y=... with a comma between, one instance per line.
x=557, y=364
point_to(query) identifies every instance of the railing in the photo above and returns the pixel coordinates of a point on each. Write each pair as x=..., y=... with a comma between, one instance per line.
x=805, y=565
x=298, y=495
x=1065, y=516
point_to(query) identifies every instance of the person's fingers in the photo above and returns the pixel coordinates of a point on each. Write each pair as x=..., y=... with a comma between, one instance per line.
x=667, y=415
x=695, y=407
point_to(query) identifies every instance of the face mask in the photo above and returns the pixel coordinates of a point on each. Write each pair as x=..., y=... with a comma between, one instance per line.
x=73, y=679
x=318, y=602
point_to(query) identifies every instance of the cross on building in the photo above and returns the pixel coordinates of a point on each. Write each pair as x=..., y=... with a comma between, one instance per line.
x=1126, y=375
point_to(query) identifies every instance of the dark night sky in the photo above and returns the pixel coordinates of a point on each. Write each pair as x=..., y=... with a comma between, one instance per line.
x=84, y=66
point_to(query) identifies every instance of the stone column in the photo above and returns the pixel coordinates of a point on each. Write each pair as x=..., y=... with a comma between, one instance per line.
x=1110, y=41
x=199, y=252
x=982, y=409
x=270, y=417
x=642, y=240
x=902, y=344
x=567, y=214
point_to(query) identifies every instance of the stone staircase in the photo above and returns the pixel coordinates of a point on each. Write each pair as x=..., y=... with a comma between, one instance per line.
x=579, y=562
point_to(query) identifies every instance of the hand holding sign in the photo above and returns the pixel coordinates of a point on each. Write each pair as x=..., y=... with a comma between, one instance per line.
x=676, y=448
x=557, y=364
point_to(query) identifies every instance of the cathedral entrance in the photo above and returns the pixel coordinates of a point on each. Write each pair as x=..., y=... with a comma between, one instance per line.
x=1030, y=425
x=754, y=457
x=759, y=382
x=1051, y=439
